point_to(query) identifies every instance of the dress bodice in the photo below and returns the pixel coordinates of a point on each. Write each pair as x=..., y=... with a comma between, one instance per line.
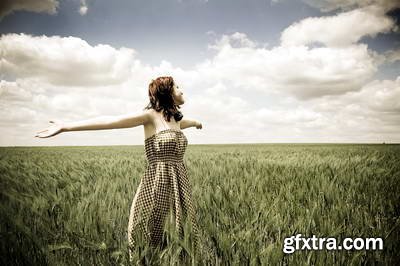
x=167, y=145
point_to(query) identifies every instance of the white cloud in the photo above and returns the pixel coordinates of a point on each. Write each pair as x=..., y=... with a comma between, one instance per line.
x=324, y=70
x=392, y=55
x=64, y=60
x=83, y=9
x=12, y=91
x=369, y=115
x=331, y=5
x=9, y=6
x=381, y=96
x=237, y=40
x=339, y=30
x=372, y=112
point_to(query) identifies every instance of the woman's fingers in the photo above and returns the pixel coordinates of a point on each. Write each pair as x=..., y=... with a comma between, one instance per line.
x=41, y=131
x=48, y=132
x=42, y=136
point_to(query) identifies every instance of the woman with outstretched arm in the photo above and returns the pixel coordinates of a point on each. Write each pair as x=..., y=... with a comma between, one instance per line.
x=165, y=188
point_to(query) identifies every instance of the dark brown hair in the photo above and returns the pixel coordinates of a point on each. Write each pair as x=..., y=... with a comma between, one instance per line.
x=161, y=99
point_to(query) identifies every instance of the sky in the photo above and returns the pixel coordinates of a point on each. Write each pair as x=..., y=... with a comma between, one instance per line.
x=254, y=71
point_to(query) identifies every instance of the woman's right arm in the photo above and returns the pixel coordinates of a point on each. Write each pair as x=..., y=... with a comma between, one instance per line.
x=103, y=122
x=109, y=122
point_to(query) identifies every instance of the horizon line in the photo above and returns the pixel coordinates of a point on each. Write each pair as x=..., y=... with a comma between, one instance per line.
x=199, y=144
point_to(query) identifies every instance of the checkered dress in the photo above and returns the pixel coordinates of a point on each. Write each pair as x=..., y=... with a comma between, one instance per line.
x=164, y=190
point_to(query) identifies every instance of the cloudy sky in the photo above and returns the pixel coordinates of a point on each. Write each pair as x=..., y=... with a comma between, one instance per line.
x=252, y=71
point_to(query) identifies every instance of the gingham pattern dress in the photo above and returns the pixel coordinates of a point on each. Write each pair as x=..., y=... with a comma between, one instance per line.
x=164, y=190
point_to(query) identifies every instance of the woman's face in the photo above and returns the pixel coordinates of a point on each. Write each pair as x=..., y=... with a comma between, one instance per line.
x=177, y=95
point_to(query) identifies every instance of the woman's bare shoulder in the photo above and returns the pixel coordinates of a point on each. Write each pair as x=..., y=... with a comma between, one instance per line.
x=151, y=113
x=148, y=111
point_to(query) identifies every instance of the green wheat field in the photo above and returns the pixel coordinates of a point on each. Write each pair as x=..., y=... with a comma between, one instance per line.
x=70, y=205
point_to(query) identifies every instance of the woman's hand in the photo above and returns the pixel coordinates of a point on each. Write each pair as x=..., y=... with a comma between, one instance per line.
x=52, y=130
x=199, y=125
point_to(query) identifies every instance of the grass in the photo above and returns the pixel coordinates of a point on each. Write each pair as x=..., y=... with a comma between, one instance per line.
x=70, y=205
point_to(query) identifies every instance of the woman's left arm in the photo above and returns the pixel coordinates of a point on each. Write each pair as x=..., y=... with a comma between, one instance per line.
x=185, y=123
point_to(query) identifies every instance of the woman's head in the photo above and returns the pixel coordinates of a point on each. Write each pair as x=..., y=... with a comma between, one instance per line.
x=165, y=96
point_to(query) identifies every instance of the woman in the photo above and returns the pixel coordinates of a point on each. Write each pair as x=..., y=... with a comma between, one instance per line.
x=165, y=186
